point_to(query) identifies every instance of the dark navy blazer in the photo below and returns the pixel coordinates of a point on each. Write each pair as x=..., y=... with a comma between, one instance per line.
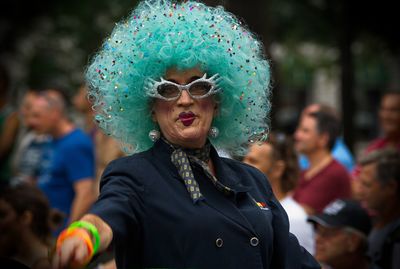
x=156, y=224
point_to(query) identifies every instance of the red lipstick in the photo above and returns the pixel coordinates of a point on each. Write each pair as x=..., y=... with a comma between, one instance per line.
x=187, y=118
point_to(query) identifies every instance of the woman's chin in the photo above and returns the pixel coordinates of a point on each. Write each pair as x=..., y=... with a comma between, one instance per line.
x=192, y=138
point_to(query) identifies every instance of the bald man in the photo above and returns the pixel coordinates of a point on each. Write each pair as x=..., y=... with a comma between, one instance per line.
x=68, y=176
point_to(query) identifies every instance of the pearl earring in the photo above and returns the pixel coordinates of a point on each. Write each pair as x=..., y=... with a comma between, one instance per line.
x=154, y=135
x=213, y=132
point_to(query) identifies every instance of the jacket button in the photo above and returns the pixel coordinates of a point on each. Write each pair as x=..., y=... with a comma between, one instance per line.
x=219, y=242
x=254, y=241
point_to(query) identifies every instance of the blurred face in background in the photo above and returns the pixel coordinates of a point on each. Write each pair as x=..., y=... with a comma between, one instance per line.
x=373, y=192
x=307, y=137
x=43, y=117
x=331, y=244
x=389, y=114
x=261, y=157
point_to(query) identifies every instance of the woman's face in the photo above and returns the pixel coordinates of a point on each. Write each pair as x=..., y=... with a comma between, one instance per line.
x=261, y=157
x=185, y=121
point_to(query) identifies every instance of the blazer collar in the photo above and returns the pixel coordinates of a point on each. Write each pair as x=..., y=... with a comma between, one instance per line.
x=223, y=172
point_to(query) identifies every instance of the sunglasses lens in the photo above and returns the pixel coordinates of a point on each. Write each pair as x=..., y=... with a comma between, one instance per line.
x=168, y=90
x=200, y=88
x=197, y=90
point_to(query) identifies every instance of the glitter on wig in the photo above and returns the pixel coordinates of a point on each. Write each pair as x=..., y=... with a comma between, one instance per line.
x=161, y=34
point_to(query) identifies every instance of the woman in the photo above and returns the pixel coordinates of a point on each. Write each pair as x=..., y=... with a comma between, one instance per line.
x=26, y=224
x=175, y=72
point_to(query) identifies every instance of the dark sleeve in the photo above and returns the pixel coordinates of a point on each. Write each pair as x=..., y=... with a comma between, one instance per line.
x=286, y=244
x=119, y=203
x=289, y=253
x=298, y=257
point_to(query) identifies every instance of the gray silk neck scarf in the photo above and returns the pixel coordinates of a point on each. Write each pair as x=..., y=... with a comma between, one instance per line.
x=183, y=160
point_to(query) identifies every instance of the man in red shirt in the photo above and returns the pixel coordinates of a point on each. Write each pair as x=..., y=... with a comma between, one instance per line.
x=389, y=121
x=326, y=179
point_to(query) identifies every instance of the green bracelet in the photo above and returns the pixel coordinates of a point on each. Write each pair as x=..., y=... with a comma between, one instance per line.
x=92, y=229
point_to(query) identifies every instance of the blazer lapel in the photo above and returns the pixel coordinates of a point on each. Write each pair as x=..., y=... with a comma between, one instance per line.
x=219, y=201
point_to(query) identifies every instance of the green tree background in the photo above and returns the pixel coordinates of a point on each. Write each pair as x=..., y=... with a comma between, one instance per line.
x=50, y=42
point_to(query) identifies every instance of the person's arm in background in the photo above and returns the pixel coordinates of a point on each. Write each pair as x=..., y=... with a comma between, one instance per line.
x=80, y=168
x=84, y=198
x=73, y=252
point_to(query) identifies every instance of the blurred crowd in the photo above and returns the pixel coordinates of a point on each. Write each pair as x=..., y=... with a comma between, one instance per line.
x=344, y=209
x=50, y=146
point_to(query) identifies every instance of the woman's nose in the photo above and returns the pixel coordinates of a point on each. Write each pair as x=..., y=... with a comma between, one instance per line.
x=185, y=98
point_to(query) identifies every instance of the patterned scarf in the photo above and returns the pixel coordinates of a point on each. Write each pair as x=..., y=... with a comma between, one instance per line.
x=183, y=160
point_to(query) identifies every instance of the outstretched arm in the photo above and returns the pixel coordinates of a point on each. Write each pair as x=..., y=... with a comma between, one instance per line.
x=73, y=251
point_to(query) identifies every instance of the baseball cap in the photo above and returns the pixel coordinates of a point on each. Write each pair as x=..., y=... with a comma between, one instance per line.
x=344, y=213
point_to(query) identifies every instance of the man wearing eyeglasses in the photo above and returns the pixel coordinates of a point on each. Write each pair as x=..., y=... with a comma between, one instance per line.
x=341, y=232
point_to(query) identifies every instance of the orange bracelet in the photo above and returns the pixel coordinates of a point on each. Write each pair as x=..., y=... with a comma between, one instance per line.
x=82, y=234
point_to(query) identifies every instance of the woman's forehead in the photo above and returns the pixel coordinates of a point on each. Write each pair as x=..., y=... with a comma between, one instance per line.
x=183, y=75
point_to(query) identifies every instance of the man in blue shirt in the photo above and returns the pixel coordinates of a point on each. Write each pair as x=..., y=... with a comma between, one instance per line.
x=68, y=176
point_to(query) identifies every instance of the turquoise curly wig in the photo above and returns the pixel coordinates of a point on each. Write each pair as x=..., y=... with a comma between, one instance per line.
x=159, y=35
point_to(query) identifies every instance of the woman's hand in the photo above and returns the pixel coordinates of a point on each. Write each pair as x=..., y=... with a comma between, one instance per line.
x=72, y=253
x=77, y=245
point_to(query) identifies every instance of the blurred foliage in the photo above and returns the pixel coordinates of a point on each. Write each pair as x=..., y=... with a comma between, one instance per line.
x=51, y=44
x=293, y=20
x=323, y=23
x=55, y=47
x=372, y=65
